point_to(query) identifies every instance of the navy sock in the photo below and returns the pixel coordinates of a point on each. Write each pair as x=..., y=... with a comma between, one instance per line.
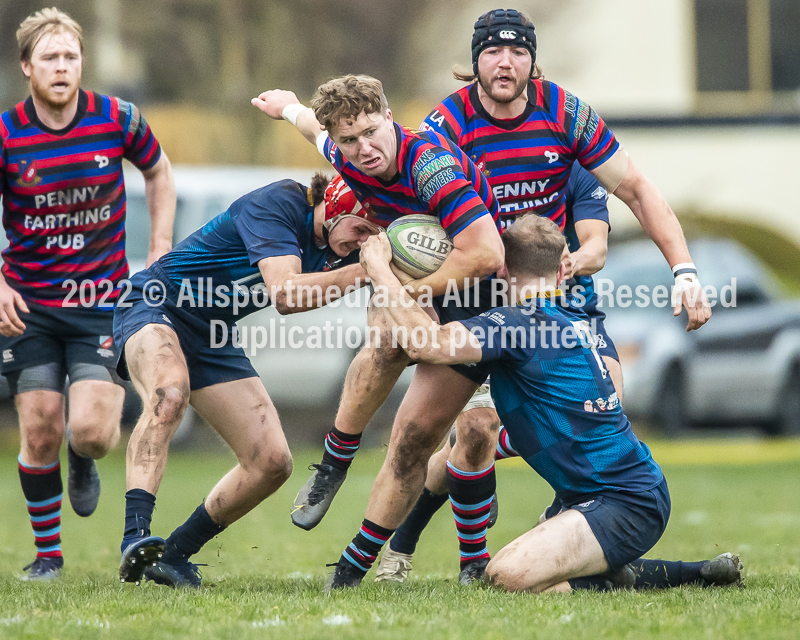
x=589, y=583
x=663, y=574
x=406, y=537
x=139, y=506
x=190, y=537
x=340, y=449
x=366, y=546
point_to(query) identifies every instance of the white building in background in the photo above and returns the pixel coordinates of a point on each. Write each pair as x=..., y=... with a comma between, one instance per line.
x=704, y=94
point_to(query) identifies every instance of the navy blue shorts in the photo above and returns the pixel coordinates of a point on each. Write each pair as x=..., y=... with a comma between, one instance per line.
x=626, y=524
x=207, y=364
x=65, y=336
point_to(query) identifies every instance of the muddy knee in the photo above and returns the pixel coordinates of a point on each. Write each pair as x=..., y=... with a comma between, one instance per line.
x=168, y=404
x=477, y=434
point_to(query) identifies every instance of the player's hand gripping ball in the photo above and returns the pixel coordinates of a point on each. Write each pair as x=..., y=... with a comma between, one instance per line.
x=419, y=244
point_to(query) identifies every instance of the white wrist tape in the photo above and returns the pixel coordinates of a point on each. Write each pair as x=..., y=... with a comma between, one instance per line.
x=683, y=267
x=685, y=275
x=291, y=111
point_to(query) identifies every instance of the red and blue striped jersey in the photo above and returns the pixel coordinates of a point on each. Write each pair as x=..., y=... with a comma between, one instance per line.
x=527, y=160
x=64, y=196
x=434, y=177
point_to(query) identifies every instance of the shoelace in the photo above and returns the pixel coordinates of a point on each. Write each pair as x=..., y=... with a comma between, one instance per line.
x=322, y=484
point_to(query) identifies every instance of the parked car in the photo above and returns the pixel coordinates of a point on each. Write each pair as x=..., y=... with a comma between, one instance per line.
x=742, y=367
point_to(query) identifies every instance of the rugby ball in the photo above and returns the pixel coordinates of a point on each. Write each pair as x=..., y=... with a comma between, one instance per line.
x=419, y=244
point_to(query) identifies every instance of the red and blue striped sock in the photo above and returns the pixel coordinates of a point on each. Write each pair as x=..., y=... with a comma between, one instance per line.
x=366, y=546
x=471, y=495
x=43, y=493
x=340, y=449
x=504, y=447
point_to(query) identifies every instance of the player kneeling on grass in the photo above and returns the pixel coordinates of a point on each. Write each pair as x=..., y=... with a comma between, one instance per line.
x=179, y=347
x=558, y=404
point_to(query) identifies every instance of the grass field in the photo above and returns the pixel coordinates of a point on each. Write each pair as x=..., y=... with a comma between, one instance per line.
x=265, y=576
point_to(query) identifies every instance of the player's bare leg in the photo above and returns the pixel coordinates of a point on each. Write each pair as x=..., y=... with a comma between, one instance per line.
x=41, y=422
x=95, y=411
x=546, y=557
x=370, y=378
x=422, y=421
x=158, y=370
x=242, y=413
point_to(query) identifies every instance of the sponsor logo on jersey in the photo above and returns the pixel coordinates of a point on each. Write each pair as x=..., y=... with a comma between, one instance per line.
x=480, y=163
x=27, y=171
x=106, y=342
x=508, y=34
x=600, y=194
x=102, y=161
x=432, y=172
x=552, y=156
x=600, y=341
x=106, y=353
x=586, y=504
x=165, y=318
x=602, y=404
x=8, y=355
x=497, y=317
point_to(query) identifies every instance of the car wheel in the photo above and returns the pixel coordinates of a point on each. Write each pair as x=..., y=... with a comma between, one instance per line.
x=787, y=420
x=669, y=413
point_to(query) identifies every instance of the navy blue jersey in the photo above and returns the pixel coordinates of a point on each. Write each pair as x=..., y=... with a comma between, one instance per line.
x=221, y=258
x=557, y=400
x=586, y=199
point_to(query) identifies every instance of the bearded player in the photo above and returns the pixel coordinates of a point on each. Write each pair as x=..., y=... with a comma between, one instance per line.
x=64, y=215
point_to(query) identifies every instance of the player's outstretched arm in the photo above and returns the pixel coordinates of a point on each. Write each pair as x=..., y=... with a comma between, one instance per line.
x=284, y=105
x=436, y=344
x=159, y=191
x=293, y=291
x=10, y=300
x=661, y=225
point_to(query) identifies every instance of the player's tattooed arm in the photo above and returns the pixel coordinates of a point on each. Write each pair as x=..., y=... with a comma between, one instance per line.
x=293, y=291
x=284, y=105
x=448, y=344
x=159, y=189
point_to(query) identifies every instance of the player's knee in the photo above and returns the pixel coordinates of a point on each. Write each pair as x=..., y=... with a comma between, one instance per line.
x=168, y=403
x=274, y=467
x=94, y=440
x=413, y=450
x=42, y=446
x=477, y=434
x=502, y=574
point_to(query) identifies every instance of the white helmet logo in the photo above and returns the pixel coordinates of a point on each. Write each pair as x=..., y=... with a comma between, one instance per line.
x=507, y=35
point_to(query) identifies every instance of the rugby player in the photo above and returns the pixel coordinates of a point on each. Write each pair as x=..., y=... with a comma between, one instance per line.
x=586, y=231
x=178, y=343
x=64, y=215
x=557, y=402
x=525, y=133
x=395, y=171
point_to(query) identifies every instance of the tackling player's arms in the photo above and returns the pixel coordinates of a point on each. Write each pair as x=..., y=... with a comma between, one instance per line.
x=289, y=288
x=477, y=253
x=591, y=256
x=448, y=344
